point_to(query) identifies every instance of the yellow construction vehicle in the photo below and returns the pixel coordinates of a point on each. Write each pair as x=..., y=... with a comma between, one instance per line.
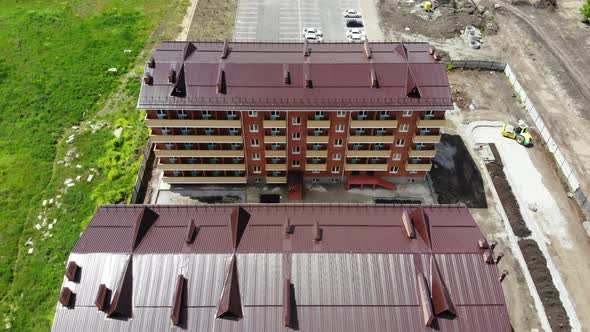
x=519, y=132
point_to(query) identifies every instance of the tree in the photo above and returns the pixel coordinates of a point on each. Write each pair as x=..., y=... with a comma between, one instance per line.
x=585, y=10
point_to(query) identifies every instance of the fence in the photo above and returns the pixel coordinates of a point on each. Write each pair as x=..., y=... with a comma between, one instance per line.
x=560, y=160
x=477, y=64
x=139, y=189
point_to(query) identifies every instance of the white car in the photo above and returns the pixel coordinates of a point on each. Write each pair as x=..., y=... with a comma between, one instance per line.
x=356, y=36
x=352, y=13
x=313, y=38
x=355, y=31
x=314, y=31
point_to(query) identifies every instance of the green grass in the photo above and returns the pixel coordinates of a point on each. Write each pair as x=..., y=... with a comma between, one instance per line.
x=53, y=74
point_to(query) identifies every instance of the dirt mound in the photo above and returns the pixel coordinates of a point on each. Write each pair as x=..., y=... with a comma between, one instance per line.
x=455, y=176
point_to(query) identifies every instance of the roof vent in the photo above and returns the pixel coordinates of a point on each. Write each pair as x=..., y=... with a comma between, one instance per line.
x=368, y=52
x=421, y=224
x=171, y=75
x=286, y=74
x=412, y=90
x=230, y=305
x=121, y=305
x=189, y=48
x=66, y=297
x=151, y=62
x=102, y=298
x=176, y=315
x=146, y=218
x=225, y=50
x=179, y=89
x=483, y=243
x=308, y=83
x=148, y=79
x=425, y=301
x=408, y=225
x=317, y=231
x=191, y=231
x=288, y=226
x=401, y=50
x=72, y=271
x=221, y=88
x=374, y=80
x=239, y=222
x=488, y=257
x=287, y=297
x=441, y=299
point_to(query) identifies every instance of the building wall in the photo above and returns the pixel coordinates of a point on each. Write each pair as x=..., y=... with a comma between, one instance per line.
x=263, y=146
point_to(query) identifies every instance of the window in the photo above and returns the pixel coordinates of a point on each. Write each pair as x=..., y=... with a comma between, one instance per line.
x=378, y=146
x=172, y=160
x=393, y=169
x=169, y=146
x=341, y=114
x=233, y=131
x=359, y=131
x=297, y=120
x=208, y=131
x=254, y=128
x=381, y=131
x=339, y=128
x=337, y=156
x=194, y=173
x=256, y=156
x=161, y=114
x=317, y=131
x=182, y=114
x=231, y=115
x=235, y=146
x=275, y=131
x=206, y=114
x=338, y=143
x=258, y=180
x=274, y=115
x=296, y=163
x=429, y=114
x=175, y=173
x=397, y=156
x=296, y=150
x=275, y=146
x=362, y=115
x=334, y=180
x=296, y=135
x=253, y=113
x=237, y=160
x=188, y=146
x=165, y=130
x=256, y=169
x=407, y=113
x=424, y=131
x=404, y=128
x=254, y=142
x=211, y=146
x=319, y=115
x=214, y=160
x=400, y=142
x=384, y=115
x=335, y=169
x=315, y=180
x=317, y=146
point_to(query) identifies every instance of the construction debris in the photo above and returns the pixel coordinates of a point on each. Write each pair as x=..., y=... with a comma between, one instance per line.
x=472, y=37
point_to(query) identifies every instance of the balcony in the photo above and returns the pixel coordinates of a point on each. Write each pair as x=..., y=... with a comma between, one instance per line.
x=276, y=179
x=428, y=123
x=368, y=153
x=202, y=167
x=418, y=167
x=199, y=153
x=316, y=167
x=274, y=124
x=373, y=124
x=317, y=139
x=422, y=153
x=366, y=167
x=276, y=167
x=316, y=154
x=371, y=139
x=318, y=124
x=275, y=153
x=178, y=123
x=196, y=139
x=204, y=179
x=426, y=138
x=275, y=139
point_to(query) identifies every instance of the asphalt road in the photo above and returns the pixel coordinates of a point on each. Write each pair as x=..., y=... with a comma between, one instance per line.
x=284, y=20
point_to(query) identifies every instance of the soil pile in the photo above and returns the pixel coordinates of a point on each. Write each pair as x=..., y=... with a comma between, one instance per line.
x=455, y=176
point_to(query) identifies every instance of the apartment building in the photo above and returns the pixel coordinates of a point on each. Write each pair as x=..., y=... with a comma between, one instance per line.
x=234, y=112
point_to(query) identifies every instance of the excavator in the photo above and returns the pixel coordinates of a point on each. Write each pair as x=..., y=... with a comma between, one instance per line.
x=519, y=132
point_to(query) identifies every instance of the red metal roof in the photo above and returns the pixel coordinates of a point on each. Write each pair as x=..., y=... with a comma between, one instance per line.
x=360, y=274
x=253, y=76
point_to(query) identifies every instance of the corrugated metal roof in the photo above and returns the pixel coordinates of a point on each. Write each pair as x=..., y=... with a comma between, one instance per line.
x=351, y=280
x=253, y=76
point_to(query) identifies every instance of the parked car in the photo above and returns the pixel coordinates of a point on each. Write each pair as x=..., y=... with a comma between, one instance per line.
x=356, y=35
x=355, y=31
x=352, y=13
x=313, y=38
x=353, y=23
x=315, y=31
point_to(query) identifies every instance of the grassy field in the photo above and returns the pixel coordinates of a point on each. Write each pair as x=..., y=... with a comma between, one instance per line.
x=213, y=20
x=53, y=75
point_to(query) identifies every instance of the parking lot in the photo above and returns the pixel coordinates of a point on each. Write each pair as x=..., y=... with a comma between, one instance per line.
x=284, y=20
